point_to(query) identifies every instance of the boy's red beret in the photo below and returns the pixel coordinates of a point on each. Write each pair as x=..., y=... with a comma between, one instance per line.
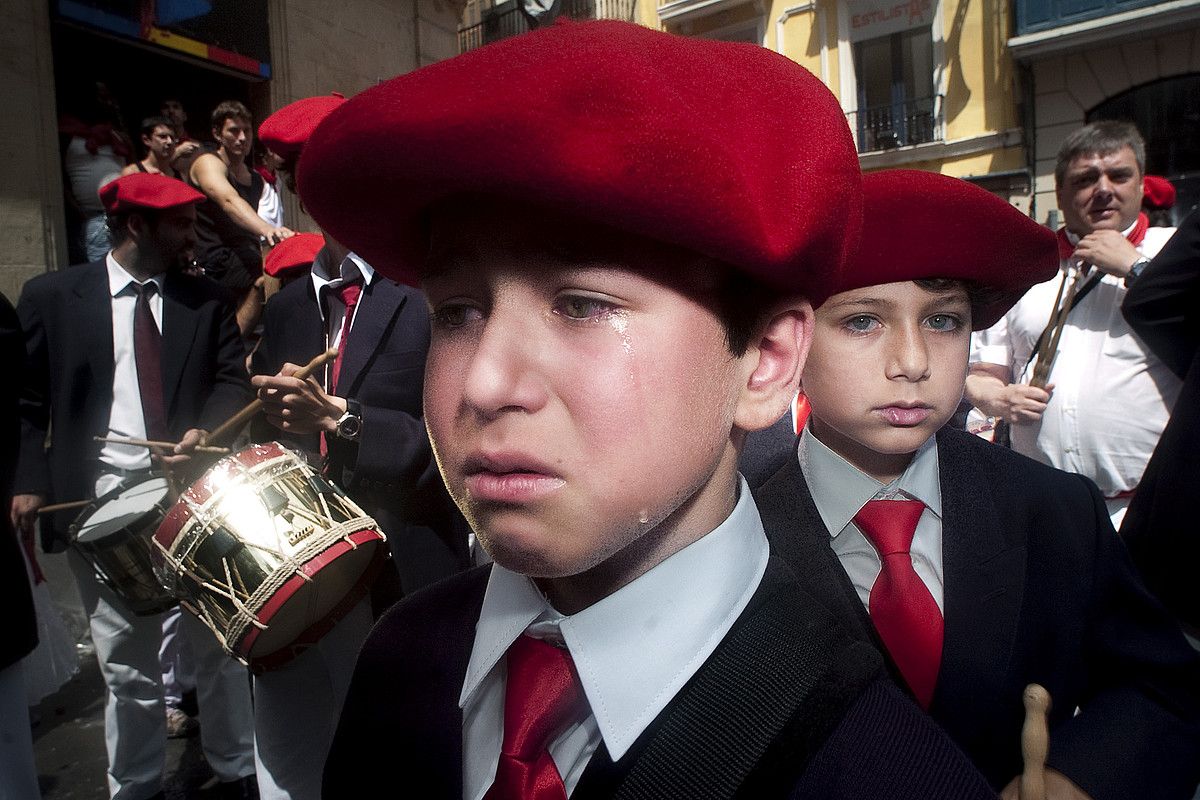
x=293, y=253
x=1158, y=192
x=285, y=132
x=729, y=150
x=925, y=225
x=146, y=190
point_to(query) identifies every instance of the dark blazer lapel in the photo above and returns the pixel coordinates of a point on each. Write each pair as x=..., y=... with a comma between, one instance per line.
x=798, y=534
x=983, y=561
x=383, y=302
x=95, y=306
x=179, y=326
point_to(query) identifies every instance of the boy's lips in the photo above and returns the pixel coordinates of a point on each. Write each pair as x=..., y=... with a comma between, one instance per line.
x=905, y=415
x=508, y=477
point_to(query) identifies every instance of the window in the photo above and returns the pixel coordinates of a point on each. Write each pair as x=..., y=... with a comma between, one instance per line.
x=896, y=101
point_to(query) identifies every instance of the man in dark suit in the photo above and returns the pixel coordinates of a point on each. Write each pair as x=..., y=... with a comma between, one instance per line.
x=1160, y=528
x=603, y=335
x=1022, y=577
x=18, y=774
x=363, y=414
x=131, y=347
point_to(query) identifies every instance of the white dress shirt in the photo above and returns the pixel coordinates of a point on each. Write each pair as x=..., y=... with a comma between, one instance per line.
x=633, y=650
x=125, y=418
x=839, y=490
x=1112, y=397
x=333, y=312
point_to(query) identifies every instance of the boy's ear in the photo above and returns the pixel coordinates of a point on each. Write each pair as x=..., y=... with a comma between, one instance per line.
x=773, y=363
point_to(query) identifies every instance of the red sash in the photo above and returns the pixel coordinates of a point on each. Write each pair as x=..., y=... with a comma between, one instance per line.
x=1135, y=237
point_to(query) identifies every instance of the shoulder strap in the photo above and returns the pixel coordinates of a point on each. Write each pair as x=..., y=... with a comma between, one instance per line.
x=760, y=708
x=1091, y=284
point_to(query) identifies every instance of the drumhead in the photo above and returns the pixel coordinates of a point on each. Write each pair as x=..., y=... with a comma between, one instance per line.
x=124, y=507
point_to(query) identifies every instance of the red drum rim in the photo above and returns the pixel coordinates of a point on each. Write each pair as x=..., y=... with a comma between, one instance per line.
x=314, y=632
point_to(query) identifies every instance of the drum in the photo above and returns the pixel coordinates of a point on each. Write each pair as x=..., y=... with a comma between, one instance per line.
x=114, y=533
x=267, y=553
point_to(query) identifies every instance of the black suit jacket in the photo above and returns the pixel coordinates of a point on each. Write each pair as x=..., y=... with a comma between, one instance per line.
x=787, y=706
x=1038, y=589
x=67, y=322
x=15, y=598
x=1160, y=527
x=390, y=471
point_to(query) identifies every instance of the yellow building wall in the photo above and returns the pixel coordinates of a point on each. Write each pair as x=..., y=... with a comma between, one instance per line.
x=978, y=80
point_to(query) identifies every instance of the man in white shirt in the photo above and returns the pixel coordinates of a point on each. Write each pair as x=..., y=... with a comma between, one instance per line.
x=1107, y=397
x=129, y=347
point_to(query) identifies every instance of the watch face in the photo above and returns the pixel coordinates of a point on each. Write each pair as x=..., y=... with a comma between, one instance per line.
x=350, y=427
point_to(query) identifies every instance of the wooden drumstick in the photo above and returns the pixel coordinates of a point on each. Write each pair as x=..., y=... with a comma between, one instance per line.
x=1041, y=372
x=50, y=509
x=239, y=419
x=1035, y=743
x=150, y=443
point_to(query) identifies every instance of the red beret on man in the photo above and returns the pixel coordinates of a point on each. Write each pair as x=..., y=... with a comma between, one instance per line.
x=729, y=150
x=1158, y=193
x=145, y=190
x=293, y=254
x=920, y=225
x=285, y=132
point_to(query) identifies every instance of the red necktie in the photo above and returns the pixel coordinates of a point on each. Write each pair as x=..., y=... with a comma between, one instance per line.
x=147, y=354
x=349, y=292
x=904, y=612
x=541, y=698
x=1135, y=237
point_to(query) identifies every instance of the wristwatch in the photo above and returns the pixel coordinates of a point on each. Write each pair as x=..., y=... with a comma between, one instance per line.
x=349, y=425
x=1138, y=267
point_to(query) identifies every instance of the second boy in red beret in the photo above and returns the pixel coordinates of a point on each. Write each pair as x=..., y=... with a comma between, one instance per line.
x=976, y=570
x=616, y=294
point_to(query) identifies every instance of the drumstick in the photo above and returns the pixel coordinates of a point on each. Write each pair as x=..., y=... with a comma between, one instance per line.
x=1035, y=743
x=50, y=509
x=1046, y=355
x=217, y=451
x=242, y=417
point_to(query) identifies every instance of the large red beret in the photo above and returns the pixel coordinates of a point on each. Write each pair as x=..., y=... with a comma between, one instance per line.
x=1158, y=192
x=285, y=132
x=293, y=253
x=729, y=150
x=146, y=190
x=925, y=225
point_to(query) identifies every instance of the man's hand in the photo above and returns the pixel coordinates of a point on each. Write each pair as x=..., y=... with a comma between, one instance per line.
x=298, y=406
x=276, y=235
x=1058, y=787
x=23, y=512
x=988, y=390
x=183, y=451
x=1108, y=251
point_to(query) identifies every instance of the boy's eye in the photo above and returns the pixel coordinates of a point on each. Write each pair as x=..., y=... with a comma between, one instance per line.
x=455, y=315
x=943, y=322
x=863, y=323
x=579, y=307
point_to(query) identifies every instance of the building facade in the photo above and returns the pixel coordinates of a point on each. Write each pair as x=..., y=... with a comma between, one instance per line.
x=1086, y=60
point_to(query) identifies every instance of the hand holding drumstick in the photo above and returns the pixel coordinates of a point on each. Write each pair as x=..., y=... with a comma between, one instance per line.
x=1037, y=781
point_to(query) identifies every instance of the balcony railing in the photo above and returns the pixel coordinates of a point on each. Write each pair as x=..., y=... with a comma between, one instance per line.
x=506, y=19
x=887, y=127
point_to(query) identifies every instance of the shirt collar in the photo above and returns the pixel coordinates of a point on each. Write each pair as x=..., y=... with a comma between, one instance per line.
x=839, y=489
x=635, y=649
x=119, y=280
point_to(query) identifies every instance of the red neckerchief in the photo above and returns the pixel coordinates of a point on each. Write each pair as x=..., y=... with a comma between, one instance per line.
x=1135, y=237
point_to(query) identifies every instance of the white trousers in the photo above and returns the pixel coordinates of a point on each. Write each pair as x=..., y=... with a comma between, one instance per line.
x=296, y=710
x=135, y=732
x=175, y=659
x=18, y=775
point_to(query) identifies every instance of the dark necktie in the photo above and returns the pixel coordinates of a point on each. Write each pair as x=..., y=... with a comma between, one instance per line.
x=904, y=612
x=147, y=354
x=541, y=698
